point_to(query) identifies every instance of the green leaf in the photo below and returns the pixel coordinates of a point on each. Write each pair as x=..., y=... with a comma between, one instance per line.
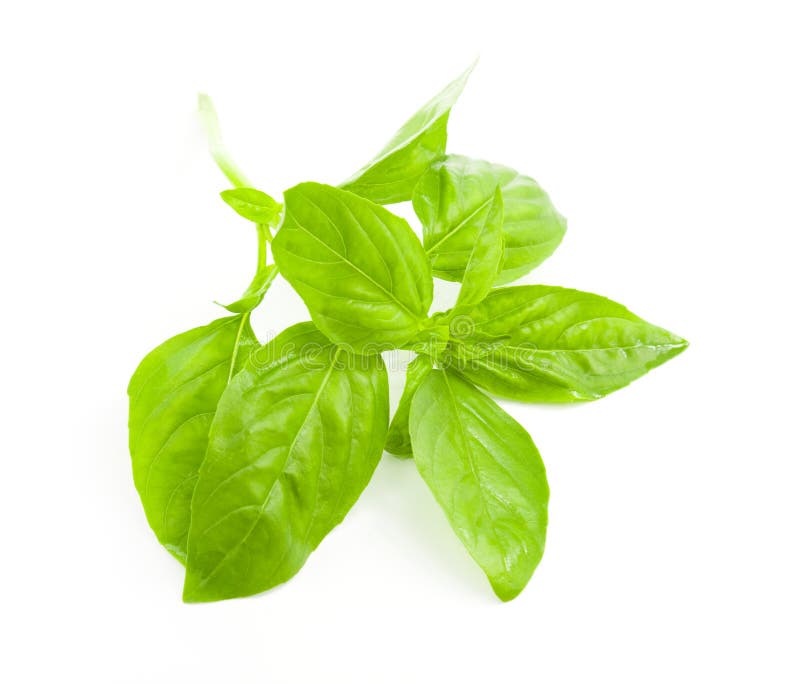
x=487, y=475
x=398, y=441
x=483, y=264
x=173, y=396
x=359, y=268
x=253, y=205
x=450, y=201
x=391, y=176
x=296, y=438
x=255, y=292
x=560, y=345
x=210, y=123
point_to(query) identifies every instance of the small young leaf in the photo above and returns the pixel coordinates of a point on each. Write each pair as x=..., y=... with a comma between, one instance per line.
x=296, y=438
x=255, y=292
x=449, y=201
x=398, y=441
x=253, y=205
x=560, y=345
x=486, y=257
x=359, y=268
x=173, y=396
x=487, y=475
x=392, y=175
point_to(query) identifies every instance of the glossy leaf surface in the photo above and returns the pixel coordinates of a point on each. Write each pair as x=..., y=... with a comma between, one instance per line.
x=559, y=345
x=359, y=268
x=486, y=258
x=296, y=438
x=391, y=176
x=487, y=475
x=252, y=204
x=398, y=441
x=173, y=396
x=450, y=201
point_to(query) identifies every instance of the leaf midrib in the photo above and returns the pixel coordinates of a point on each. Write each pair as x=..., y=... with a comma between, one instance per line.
x=289, y=452
x=347, y=261
x=460, y=225
x=539, y=350
x=467, y=449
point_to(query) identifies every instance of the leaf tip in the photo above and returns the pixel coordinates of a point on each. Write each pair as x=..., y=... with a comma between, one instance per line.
x=192, y=589
x=677, y=345
x=189, y=595
x=505, y=590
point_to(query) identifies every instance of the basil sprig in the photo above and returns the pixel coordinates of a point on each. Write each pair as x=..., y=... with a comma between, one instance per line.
x=246, y=456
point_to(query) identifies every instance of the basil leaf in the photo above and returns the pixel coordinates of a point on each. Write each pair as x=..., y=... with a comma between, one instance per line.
x=296, y=438
x=359, y=268
x=391, y=176
x=173, y=396
x=486, y=257
x=487, y=475
x=255, y=292
x=253, y=205
x=398, y=441
x=560, y=345
x=450, y=200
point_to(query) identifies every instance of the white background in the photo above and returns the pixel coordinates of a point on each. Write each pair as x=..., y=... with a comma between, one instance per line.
x=667, y=133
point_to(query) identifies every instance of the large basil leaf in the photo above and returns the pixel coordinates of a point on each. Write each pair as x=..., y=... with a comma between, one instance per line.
x=173, y=396
x=359, y=268
x=557, y=345
x=450, y=201
x=391, y=176
x=485, y=472
x=398, y=441
x=296, y=438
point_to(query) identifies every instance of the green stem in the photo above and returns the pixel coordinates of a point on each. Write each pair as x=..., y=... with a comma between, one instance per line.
x=236, y=177
x=264, y=237
x=210, y=122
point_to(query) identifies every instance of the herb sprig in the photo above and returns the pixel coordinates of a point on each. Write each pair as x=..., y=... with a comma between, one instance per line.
x=246, y=456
